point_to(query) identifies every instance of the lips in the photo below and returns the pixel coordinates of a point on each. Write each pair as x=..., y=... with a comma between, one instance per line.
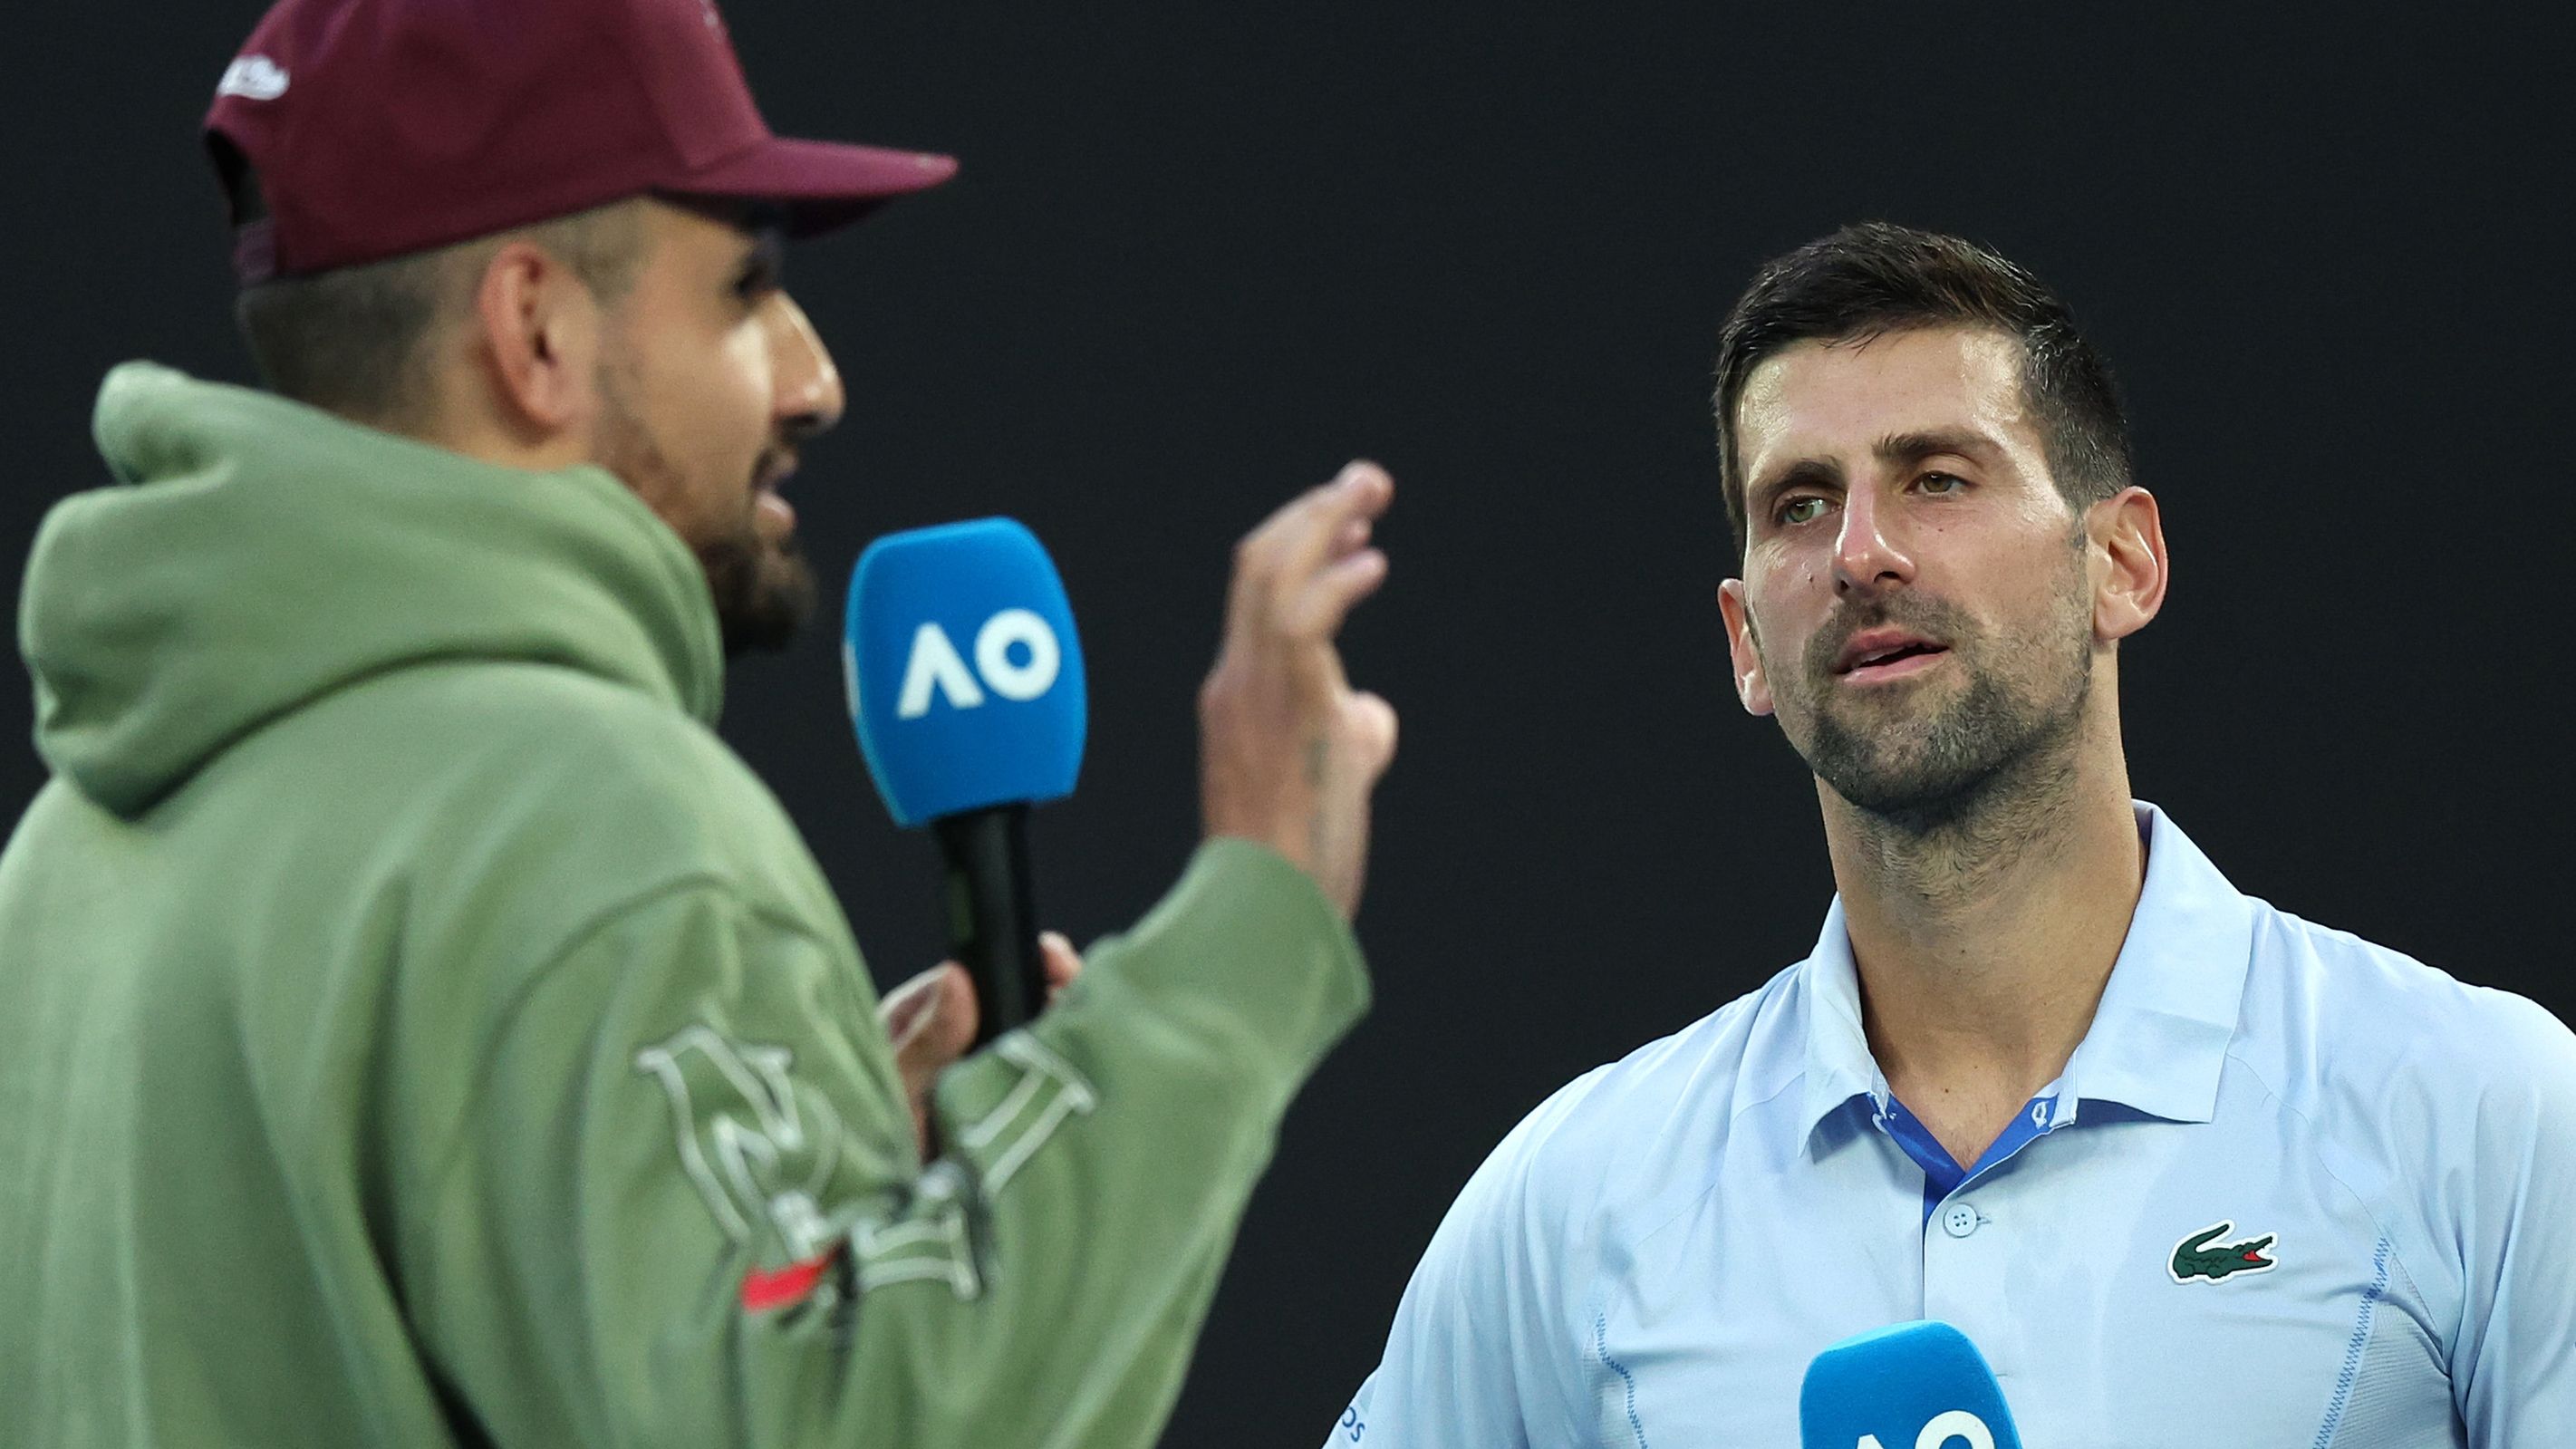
x=772, y=470
x=780, y=513
x=1878, y=648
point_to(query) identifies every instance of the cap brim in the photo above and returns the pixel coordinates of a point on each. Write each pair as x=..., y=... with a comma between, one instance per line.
x=821, y=184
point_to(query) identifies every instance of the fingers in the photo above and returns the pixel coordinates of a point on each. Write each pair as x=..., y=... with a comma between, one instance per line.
x=1373, y=731
x=1063, y=963
x=931, y=1021
x=1316, y=611
x=931, y=1018
x=901, y=1006
x=1324, y=524
x=1352, y=536
x=1288, y=752
x=1360, y=494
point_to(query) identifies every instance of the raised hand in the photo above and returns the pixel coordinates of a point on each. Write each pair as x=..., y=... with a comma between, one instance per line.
x=1289, y=752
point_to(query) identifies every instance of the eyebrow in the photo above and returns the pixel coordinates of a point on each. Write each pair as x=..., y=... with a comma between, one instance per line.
x=1914, y=447
x=1806, y=472
x=1909, y=447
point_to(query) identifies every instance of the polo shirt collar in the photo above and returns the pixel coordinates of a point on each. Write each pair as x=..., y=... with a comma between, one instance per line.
x=1839, y=1066
x=2159, y=1039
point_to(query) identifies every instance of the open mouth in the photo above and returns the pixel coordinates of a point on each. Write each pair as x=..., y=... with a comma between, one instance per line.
x=1892, y=662
x=780, y=513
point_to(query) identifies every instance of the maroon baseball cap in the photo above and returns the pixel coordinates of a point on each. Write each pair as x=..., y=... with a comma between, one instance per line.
x=381, y=127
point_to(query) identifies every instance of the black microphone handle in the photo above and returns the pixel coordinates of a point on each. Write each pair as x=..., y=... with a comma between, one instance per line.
x=992, y=917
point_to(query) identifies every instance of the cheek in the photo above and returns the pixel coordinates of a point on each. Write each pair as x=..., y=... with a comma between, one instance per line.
x=2050, y=604
x=1785, y=602
x=740, y=389
x=1793, y=580
x=725, y=404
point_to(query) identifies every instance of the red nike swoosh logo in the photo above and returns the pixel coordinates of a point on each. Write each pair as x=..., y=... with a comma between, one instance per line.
x=764, y=1290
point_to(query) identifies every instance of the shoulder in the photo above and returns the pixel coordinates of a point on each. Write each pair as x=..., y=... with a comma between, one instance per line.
x=2325, y=1007
x=2440, y=1102
x=1497, y=1321
x=547, y=796
x=555, y=738
x=566, y=717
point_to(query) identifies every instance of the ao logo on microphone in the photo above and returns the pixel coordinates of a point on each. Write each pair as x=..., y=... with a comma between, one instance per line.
x=1017, y=656
x=1945, y=1430
x=965, y=671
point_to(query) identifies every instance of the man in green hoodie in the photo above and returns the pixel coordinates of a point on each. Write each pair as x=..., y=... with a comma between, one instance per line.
x=416, y=1027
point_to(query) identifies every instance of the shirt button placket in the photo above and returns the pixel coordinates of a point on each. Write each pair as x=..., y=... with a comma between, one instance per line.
x=1965, y=1250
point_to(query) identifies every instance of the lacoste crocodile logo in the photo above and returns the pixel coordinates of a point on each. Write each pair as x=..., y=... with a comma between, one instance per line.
x=2202, y=1256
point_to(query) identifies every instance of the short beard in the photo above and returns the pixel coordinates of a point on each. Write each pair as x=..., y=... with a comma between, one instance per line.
x=763, y=592
x=1999, y=756
x=1987, y=746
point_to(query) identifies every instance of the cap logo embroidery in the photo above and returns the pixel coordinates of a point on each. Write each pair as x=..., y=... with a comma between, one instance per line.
x=2202, y=1256
x=254, y=77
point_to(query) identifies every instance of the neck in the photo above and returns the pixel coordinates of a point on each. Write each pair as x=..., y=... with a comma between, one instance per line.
x=1984, y=940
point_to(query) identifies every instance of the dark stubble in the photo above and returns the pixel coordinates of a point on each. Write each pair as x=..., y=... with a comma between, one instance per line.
x=764, y=592
x=1993, y=747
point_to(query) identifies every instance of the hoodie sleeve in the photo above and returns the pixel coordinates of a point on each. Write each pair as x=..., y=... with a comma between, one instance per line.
x=689, y=1209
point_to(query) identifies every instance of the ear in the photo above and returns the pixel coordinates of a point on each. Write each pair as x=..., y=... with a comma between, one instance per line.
x=1750, y=684
x=2127, y=540
x=539, y=339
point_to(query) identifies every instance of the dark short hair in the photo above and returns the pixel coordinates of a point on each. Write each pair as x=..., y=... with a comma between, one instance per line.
x=354, y=340
x=1875, y=278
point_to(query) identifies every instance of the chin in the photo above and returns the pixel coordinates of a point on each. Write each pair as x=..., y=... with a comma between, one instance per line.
x=764, y=593
x=1911, y=771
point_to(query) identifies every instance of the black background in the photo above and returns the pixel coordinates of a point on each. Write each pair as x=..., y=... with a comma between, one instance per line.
x=1200, y=254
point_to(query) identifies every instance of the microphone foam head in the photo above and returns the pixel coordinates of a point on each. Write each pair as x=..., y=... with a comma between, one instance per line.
x=1915, y=1385
x=964, y=672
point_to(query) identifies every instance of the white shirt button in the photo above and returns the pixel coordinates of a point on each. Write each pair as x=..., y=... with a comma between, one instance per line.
x=1959, y=1219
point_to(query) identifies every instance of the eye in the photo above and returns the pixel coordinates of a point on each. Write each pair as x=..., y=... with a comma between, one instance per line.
x=761, y=272
x=1941, y=485
x=1801, y=510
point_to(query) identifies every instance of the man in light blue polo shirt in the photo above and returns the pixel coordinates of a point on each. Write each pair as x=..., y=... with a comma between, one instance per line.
x=2194, y=1173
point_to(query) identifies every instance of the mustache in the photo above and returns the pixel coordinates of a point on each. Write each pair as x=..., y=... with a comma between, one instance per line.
x=1909, y=611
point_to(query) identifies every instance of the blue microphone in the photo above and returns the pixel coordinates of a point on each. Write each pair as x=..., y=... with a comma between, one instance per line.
x=1915, y=1385
x=965, y=680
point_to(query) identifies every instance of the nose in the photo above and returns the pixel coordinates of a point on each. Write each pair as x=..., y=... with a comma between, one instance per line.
x=1869, y=557
x=809, y=400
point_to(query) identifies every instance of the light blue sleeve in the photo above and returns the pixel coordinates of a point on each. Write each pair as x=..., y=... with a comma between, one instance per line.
x=1483, y=1353
x=2513, y=1369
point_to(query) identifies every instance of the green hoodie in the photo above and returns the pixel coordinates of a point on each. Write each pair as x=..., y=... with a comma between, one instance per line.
x=416, y=1027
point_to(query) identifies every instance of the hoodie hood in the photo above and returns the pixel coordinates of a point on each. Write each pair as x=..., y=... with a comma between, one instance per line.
x=260, y=554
